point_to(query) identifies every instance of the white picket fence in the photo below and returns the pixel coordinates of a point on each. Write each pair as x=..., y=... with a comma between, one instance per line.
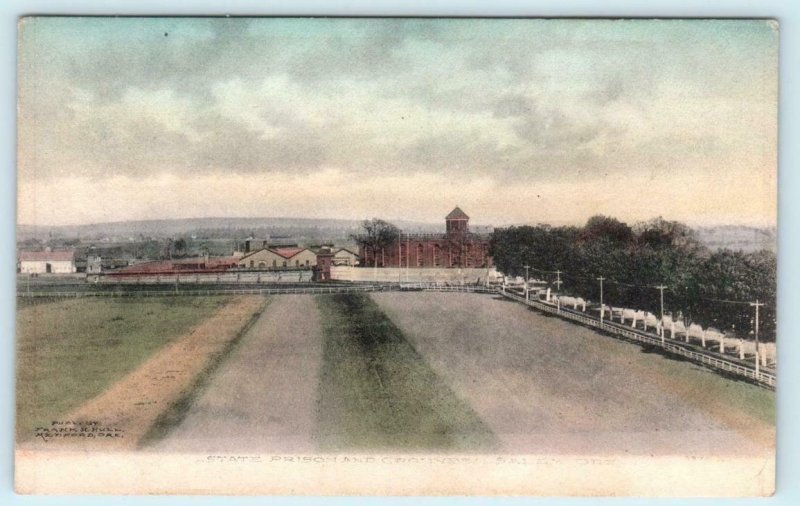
x=762, y=376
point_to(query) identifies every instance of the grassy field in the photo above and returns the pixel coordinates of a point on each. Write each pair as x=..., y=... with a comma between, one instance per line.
x=69, y=351
x=377, y=393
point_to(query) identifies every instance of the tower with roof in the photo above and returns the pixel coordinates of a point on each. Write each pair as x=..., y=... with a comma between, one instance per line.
x=457, y=222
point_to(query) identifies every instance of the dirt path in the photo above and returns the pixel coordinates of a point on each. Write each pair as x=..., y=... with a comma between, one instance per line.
x=263, y=397
x=118, y=418
x=546, y=385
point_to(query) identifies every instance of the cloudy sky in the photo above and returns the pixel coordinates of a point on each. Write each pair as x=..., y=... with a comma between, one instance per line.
x=513, y=120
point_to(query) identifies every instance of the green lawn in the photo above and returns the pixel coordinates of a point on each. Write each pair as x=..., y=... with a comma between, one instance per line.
x=377, y=393
x=69, y=351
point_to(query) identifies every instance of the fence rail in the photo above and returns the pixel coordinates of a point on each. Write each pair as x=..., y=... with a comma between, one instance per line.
x=764, y=378
x=430, y=287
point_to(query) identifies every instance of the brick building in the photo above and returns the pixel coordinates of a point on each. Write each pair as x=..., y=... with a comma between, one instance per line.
x=457, y=247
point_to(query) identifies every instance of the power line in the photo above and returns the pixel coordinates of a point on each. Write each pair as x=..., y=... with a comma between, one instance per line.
x=631, y=285
x=743, y=302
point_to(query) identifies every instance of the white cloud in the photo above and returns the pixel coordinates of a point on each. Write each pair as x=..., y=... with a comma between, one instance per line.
x=594, y=116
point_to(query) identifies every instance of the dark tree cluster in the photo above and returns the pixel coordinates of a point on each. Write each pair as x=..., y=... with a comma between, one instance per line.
x=375, y=234
x=709, y=288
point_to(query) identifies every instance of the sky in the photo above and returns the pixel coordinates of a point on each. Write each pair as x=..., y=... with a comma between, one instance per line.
x=514, y=120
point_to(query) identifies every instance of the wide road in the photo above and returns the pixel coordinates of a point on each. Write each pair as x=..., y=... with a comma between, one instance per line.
x=460, y=372
x=544, y=385
x=263, y=397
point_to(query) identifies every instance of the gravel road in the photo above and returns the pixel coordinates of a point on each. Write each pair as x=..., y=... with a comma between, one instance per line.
x=263, y=396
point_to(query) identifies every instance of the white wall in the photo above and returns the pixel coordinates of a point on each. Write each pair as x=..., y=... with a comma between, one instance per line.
x=40, y=267
x=413, y=274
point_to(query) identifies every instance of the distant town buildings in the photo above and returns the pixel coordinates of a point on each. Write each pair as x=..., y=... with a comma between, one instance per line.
x=278, y=258
x=47, y=262
x=344, y=256
x=94, y=264
x=457, y=247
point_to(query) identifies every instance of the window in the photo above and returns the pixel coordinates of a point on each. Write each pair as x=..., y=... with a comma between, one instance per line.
x=420, y=254
x=274, y=263
x=284, y=263
x=252, y=264
x=297, y=263
x=261, y=265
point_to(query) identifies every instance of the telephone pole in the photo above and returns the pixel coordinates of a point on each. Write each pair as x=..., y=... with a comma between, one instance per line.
x=757, y=305
x=661, y=289
x=558, y=281
x=527, y=278
x=602, y=307
x=408, y=253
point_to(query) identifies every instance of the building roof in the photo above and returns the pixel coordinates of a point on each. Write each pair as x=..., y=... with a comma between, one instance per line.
x=154, y=266
x=47, y=256
x=344, y=249
x=260, y=250
x=457, y=214
x=168, y=266
x=281, y=252
x=221, y=261
x=287, y=252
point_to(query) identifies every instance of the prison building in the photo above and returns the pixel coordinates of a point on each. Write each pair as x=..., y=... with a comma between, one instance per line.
x=458, y=247
x=279, y=258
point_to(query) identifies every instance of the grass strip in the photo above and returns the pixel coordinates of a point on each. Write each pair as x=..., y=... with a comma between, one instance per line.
x=71, y=350
x=377, y=393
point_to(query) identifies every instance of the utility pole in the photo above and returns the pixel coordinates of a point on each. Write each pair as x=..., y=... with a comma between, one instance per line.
x=400, y=257
x=558, y=281
x=661, y=289
x=757, y=305
x=602, y=307
x=527, y=278
x=408, y=253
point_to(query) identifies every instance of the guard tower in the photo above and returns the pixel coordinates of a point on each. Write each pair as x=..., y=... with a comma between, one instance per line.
x=457, y=222
x=322, y=271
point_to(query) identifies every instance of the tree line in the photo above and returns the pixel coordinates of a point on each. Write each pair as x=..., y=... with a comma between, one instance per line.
x=712, y=288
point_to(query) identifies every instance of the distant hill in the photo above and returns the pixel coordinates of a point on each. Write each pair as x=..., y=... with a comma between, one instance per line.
x=212, y=228
x=733, y=237
x=736, y=237
x=233, y=227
